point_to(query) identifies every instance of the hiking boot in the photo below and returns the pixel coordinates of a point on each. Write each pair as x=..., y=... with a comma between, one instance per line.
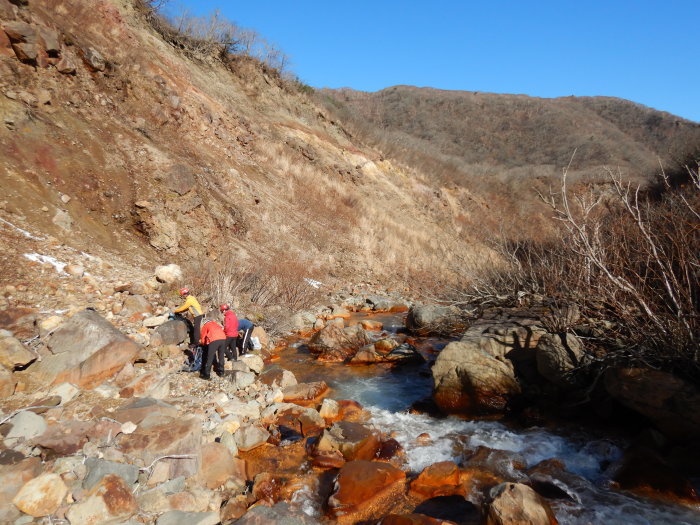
x=206, y=377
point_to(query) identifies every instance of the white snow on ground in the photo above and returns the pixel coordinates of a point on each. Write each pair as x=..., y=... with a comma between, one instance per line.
x=43, y=259
x=311, y=282
x=23, y=232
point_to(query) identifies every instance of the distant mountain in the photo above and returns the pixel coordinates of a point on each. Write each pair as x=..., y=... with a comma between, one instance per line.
x=475, y=133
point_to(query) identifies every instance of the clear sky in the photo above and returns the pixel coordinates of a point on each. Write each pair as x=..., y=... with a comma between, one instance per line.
x=647, y=51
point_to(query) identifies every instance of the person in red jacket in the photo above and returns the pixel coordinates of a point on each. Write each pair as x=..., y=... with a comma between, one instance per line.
x=213, y=336
x=231, y=331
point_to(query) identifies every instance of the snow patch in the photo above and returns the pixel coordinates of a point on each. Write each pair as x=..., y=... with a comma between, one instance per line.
x=311, y=282
x=44, y=259
x=23, y=232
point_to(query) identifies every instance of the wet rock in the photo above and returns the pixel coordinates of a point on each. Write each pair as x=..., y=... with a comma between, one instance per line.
x=85, y=350
x=13, y=354
x=167, y=436
x=178, y=517
x=353, y=440
x=439, y=479
x=14, y=475
x=279, y=514
x=24, y=426
x=386, y=345
x=305, y=393
x=334, y=343
x=389, y=450
x=111, y=499
x=404, y=353
x=330, y=410
x=300, y=420
x=170, y=333
x=99, y=468
x=249, y=437
x=644, y=472
x=668, y=401
x=327, y=459
x=278, y=377
x=41, y=496
x=371, y=326
x=411, y=519
x=433, y=318
x=557, y=356
x=365, y=490
x=168, y=273
x=515, y=504
x=470, y=380
x=218, y=466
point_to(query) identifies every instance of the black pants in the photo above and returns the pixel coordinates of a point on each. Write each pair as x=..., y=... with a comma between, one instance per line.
x=244, y=343
x=231, y=350
x=197, y=323
x=215, y=347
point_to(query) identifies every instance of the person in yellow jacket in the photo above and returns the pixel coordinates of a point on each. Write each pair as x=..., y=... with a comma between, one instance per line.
x=192, y=305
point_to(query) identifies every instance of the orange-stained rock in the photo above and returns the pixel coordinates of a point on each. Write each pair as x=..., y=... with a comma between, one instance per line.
x=328, y=459
x=439, y=479
x=110, y=500
x=477, y=483
x=218, y=466
x=365, y=490
x=389, y=450
x=305, y=394
x=517, y=504
x=350, y=410
x=269, y=458
x=304, y=421
x=41, y=496
x=645, y=473
x=267, y=487
x=353, y=440
x=413, y=519
x=371, y=326
x=234, y=509
x=335, y=343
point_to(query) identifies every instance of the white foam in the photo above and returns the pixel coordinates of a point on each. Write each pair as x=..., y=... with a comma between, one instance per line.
x=46, y=259
x=23, y=232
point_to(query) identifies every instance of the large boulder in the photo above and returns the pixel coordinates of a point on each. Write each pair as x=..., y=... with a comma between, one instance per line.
x=433, y=318
x=335, y=343
x=439, y=479
x=168, y=273
x=305, y=393
x=218, y=466
x=13, y=354
x=515, y=504
x=136, y=306
x=85, y=351
x=557, y=355
x=365, y=490
x=24, y=39
x=470, y=380
x=170, y=333
x=277, y=377
x=353, y=440
x=669, y=401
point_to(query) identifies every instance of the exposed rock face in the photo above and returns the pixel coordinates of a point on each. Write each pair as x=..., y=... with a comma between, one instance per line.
x=556, y=356
x=335, y=343
x=365, y=490
x=470, y=380
x=432, y=318
x=85, y=350
x=516, y=504
x=668, y=401
x=14, y=354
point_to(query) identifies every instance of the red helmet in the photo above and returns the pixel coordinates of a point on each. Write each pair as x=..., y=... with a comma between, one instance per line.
x=224, y=307
x=184, y=291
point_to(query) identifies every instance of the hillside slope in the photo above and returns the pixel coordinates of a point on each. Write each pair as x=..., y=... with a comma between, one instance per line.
x=486, y=134
x=119, y=144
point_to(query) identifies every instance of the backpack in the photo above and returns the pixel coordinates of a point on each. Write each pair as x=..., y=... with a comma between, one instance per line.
x=194, y=362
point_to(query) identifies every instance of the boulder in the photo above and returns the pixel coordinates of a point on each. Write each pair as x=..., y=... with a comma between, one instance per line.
x=427, y=319
x=218, y=466
x=179, y=179
x=165, y=436
x=41, y=496
x=277, y=377
x=470, y=380
x=168, y=273
x=334, y=343
x=51, y=41
x=93, y=59
x=439, y=479
x=302, y=421
x=24, y=39
x=66, y=66
x=235, y=407
x=241, y=380
x=85, y=350
x=109, y=501
x=99, y=468
x=178, y=517
x=67, y=438
x=155, y=385
x=330, y=410
x=15, y=472
x=261, y=335
x=405, y=353
x=670, y=402
x=365, y=490
x=249, y=437
x=25, y=426
x=136, y=305
x=557, y=355
x=305, y=393
x=386, y=304
x=412, y=519
x=371, y=326
x=254, y=362
x=48, y=325
x=13, y=354
x=353, y=440
x=170, y=333
x=136, y=411
x=515, y=504
x=154, y=321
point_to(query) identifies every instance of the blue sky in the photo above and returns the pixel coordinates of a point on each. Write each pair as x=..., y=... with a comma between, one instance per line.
x=647, y=51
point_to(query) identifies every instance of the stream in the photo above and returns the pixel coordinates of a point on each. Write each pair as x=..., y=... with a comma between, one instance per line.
x=388, y=393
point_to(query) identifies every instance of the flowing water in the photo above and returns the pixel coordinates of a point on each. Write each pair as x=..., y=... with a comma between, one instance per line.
x=388, y=393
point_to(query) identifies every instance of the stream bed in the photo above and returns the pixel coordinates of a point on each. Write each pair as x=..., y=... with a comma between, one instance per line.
x=388, y=393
